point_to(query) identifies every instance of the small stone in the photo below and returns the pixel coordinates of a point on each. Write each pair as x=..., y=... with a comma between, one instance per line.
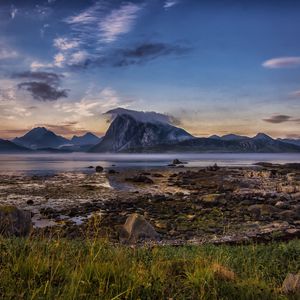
x=29, y=202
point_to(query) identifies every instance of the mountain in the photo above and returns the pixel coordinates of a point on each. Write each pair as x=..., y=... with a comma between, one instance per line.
x=291, y=141
x=228, y=137
x=138, y=130
x=87, y=139
x=132, y=131
x=263, y=137
x=256, y=144
x=233, y=137
x=41, y=137
x=10, y=147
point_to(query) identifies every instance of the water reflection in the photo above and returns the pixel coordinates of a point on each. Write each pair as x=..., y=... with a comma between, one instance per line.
x=74, y=162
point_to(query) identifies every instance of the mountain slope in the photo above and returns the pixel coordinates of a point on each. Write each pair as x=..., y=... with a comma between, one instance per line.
x=290, y=141
x=127, y=133
x=41, y=137
x=247, y=145
x=87, y=139
x=10, y=147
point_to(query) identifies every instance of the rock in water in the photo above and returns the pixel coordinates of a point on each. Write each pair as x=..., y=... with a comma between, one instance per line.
x=99, y=169
x=176, y=161
x=137, y=228
x=291, y=284
x=14, y=222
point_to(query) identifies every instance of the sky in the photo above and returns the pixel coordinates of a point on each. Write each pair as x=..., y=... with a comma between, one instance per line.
x=216, y=67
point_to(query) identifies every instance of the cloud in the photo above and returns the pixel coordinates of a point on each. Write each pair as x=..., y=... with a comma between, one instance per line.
x=144, y=116
x=78, y=58
x=146, y=52
x=118, y=22
x=59, y=59
x=137, y=55
x=49, y=77
x=295, y=94
x=43, y=86
x=94, y=103
x=170, y=3
x=7, y=94
x=278, y=119
x=65, y=43
x=282, y=62
x=43, y=91
x=13, y=110
x=36, y=65
x=13, y=12
x=7, y=53
x=65, y=128
x=95, y=28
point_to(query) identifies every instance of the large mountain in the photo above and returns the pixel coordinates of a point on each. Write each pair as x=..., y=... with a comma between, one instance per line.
x=87, y=139
x=40, y=138
x=132, y=130
x=10, y=147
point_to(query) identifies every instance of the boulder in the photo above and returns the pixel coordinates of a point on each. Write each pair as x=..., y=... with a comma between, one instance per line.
x=223, y=273
x=99, y=169
x=282, y=205
x=214, y=168
x=258, y=210
x=291, y=284
x=136, y=228
x=140, y=179
x=14, y=222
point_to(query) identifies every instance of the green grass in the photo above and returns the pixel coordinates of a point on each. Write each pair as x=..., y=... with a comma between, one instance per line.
x=94, y=269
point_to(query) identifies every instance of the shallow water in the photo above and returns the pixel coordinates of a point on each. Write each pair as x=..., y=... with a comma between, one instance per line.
x=44, y=164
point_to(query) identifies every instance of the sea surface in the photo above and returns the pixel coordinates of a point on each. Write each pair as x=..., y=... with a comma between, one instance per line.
x=43, y=164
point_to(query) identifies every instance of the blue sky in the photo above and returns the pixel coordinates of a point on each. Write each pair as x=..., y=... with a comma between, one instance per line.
x=217, y=66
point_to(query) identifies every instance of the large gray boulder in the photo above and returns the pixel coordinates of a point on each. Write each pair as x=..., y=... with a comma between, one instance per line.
x=14, y=222
x=136, y=228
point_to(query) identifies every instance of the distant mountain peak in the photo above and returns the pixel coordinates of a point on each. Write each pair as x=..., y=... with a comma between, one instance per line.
x=262, y=136
x=40, y=137
x=86, y=139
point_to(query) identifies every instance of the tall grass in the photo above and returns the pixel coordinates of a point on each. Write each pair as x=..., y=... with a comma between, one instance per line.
x=95, y=269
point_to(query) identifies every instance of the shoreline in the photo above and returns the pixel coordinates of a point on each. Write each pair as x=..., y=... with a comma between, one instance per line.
x=185, y=205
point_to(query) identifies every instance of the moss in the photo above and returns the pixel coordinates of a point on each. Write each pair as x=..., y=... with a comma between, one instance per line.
x=7, y=209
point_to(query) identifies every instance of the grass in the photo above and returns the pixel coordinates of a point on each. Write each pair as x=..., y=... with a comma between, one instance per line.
x=95, y=269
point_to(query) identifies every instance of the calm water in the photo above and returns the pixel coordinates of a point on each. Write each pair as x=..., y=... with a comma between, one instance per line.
x=74, y=162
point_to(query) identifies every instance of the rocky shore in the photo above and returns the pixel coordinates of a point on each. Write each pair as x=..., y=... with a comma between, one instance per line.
x=183, y=205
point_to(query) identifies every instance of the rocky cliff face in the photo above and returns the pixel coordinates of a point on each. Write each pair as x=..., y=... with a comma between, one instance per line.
x=126, y=133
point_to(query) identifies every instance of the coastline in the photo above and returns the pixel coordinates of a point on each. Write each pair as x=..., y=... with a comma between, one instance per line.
x=185, y=205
